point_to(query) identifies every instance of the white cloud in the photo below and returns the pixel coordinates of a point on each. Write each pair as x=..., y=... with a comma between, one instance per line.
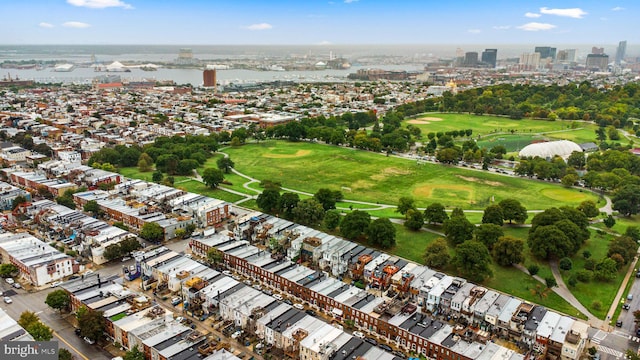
x=535, y=26
x=325, y=42
x=474, y=31
x=45, y=25
x=532, y=15
x=350, y=1
x=575, y=13
x=99, y=4
x=502, y=27
x=261, y=26
x=617, y=8
x=76, y=24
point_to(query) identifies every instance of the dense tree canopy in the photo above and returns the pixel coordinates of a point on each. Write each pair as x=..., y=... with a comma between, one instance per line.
x=436, y=254
x=508, y=250
x=381, y=233
x=512, y=210
x=435, y=214
x=458, y=228
x=473, y=260
x=354, y=224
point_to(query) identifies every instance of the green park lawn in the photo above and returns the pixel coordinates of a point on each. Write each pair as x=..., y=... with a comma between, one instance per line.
x=602, y=292
x=197, y=187
x=485, y=125
x=375, y=178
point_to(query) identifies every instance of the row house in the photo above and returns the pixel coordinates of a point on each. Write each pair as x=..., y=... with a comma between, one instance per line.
x=492, y=314
x=292, y=280
x=37, y=262
x=8, y=193
x=447, y=297
x=504, y=319
x=483, y=306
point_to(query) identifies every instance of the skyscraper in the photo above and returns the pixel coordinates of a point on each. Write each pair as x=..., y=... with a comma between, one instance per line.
x=489, y=57
x=470, y=59
x=597, y=62
x=621, y=51
x=209, y=78
x=529, y=61
x=546, y=52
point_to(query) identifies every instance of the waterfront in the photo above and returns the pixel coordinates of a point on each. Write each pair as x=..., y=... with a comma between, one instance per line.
x=194, y=76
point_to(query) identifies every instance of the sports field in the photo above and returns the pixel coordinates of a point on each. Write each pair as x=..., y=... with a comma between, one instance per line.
x=375, y=178
x=492, y=130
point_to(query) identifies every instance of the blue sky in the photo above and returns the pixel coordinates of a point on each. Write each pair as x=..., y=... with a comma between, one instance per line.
x=317, y=22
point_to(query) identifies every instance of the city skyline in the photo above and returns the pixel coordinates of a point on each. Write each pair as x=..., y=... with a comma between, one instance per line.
x=316, y=23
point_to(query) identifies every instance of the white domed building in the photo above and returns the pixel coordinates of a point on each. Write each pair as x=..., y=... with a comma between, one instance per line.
x=547, y=150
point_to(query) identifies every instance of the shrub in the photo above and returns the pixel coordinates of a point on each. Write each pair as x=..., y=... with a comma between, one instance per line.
x=586, y=254
x=572, y=281
x=596, y=305
x=533, y=269
x=590, y=264
x=565, y=263
x=584, y=275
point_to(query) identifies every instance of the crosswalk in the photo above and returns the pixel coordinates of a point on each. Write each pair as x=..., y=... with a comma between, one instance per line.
x=598, y=337
x=609, y=351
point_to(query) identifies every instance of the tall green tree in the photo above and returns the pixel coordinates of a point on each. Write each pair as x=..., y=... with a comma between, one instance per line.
x=548, y=242
x=91, y=207
x=212, y=177
x=58, y=300
x=458, y=229
x=269, y=200
x=134, y=354
x=382, y=233
x=589, y=208
x=225, y=164
x=91, y=324
x=493, y=215
x=414, y=219
x=435, y=214
x=512, y=210
x=473, y=260
x=308, y=212
x=327, y=198
x=405, y=204
x=488, y=234
x=64, y=354
x=40, y=331
x=288, y=202
x=332, y=219
x=508, y=251
x=354, y=224
x=153, y=232
x=27, y=318
x=8, y=270
x=215, y=257
x=436, y=254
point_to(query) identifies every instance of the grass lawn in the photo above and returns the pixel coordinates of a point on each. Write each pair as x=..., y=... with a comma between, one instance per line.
x=376, y=178
x=484, y=125
x=411, y=244
x=202, y=189
x=517, y=283
x=595, y=291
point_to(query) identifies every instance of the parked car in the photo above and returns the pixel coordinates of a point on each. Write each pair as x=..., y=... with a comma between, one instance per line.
x=625, y=306
x=371, y=341
x=9, y=281
x=236, y=334
x=277, y=297
x=310, y=312
x=179, y=319
x=126, y=258
x=399, y=354
x=358, y=334
x=288, y=302
x=619, y=323
x=298, y=306
x=7, y=300
x=77, y=331
x=88, y=272
x=89, y=341
x=385, y=347
x=227, y=272
x=55, y=284
x=16, y=285
x=630, y=297
x=175, y=301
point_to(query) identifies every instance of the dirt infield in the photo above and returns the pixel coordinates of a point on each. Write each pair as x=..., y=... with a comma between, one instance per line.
x=298, y=153
x=445, y=190
x=431, y=119
x=390, y=171
x=417, y=122
x=476, y=180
